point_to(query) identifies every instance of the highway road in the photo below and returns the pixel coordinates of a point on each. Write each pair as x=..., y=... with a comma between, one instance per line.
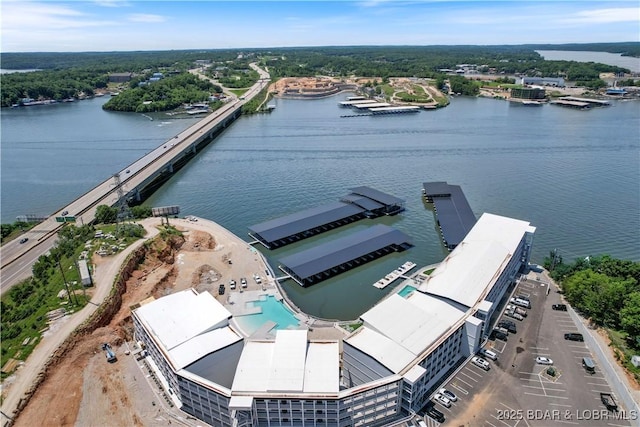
x=17, y=258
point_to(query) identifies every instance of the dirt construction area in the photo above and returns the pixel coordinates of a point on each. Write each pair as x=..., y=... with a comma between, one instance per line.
x=81, y=388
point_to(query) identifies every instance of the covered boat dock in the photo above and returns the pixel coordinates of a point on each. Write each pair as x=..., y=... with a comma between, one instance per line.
x=362, y=202
x=338, y=256
x=453, y=213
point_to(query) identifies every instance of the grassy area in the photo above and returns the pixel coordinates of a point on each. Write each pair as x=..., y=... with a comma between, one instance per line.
x=388, y=90
x=27, y=307
x=239, y=92
x=251, y=107
x=407, y=97
x=350, y=327
x=623, y=352
x=502, y=85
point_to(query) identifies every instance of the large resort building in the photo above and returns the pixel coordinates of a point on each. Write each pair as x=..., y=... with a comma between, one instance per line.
x=382, y=372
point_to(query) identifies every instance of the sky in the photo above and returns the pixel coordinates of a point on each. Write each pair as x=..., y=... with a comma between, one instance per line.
x=126, y=25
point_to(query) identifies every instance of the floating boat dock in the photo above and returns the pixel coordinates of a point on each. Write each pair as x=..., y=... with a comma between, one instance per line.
x=338, y=256
x=362, y=202
x=395, y=110
x=453, y=213
x=394, y=275
x=353, y=103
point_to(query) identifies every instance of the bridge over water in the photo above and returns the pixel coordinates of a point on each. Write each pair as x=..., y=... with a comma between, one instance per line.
x=139, y=179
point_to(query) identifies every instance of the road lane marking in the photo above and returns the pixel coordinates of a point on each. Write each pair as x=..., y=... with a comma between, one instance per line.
x=560, y=404
x=472, y=379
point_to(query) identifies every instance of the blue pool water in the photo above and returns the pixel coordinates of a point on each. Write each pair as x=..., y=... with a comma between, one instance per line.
x=404, y=292
x=272, y=310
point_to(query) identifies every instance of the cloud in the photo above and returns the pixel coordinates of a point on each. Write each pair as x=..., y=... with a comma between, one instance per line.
x=604, y=16
x=26, y=16
x=146, y=17
x=112, y=3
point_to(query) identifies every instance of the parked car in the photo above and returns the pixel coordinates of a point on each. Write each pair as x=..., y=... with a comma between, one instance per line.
x=544, y=360
x=221, y=289
x=448, y=394
x=442, y=400
x=243, y=282
x=435, y=414
x=508, y=325
x=559, y=307
x=521, y=302
x=257, y=279
x=574, y=336
x=500, y=333
x=521, y=311
x=480, y=362
x=488, y=354
x=513, y=315
x=232, y=284
x=24, y=240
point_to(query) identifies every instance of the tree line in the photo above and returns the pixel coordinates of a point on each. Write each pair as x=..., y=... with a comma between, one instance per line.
x=602, y=288
x=165, y=94
x=68, y=74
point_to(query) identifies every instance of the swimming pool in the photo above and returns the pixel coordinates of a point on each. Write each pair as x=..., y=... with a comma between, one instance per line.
x=404, y=292
x=272, y=310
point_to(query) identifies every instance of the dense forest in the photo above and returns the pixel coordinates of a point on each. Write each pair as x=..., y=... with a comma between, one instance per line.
x=166, y=94
x=67, y=75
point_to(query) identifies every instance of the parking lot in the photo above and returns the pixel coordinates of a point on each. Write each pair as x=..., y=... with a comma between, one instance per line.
x=517, y=391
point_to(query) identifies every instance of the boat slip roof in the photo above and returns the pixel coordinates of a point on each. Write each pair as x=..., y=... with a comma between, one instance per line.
x=469, y=272
x=454, y=213
x=290, y=364
x=361, y=199
x=414, y=323
x=372, y=105
x=339, y=251
x=181, y=316
x=363, y=202
x=307, y=219
x=379, y=196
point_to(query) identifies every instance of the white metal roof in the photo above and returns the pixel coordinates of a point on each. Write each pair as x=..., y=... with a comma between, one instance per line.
x=178, y=317
x=467, y=274
x=287, y=363
x=414, y=322
x=291, y=364
x=242, y=403
x=414, y=374
x=386, y=351
x=203, y=344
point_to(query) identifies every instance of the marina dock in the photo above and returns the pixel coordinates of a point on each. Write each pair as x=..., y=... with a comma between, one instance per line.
x=398, y=273
x=453, y=213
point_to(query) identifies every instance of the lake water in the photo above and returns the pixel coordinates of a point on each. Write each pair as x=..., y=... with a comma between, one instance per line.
x=633, y=64
x=575, y=175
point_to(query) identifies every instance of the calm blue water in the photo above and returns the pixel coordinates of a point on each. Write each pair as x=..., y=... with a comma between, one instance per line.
x=272, y=310
x=575, y=175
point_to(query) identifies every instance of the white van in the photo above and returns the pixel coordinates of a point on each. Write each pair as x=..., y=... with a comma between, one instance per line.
x=488, y=354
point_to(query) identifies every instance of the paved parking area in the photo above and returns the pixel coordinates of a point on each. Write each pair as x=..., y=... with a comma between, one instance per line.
x=517, y=391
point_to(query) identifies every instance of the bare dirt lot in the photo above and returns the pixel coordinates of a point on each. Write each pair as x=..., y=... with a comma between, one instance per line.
x=83, y=388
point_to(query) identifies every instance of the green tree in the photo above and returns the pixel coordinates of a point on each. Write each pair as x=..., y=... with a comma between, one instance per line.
x=630, y=317
x=141, y=211
x=106, y=214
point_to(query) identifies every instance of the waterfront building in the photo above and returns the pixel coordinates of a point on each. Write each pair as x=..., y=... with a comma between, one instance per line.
x=543, y=81
x=528, y=93
x=387, y=369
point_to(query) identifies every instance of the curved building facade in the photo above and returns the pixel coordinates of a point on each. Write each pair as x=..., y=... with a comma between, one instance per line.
x=384, y=371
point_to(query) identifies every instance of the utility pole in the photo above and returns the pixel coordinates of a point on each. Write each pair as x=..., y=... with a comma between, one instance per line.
x=65, y=282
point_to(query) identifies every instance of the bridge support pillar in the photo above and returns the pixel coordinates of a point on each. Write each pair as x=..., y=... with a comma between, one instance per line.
x=137, y=194
x=170, y=167
x=193, y=148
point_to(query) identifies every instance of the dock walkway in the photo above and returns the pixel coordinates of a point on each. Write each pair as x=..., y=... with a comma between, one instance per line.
x=394, y=275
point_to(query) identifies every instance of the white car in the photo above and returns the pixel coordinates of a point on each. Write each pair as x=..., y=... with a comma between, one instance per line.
x=544, y=360
x=448, y=394
x=257, y=279
x=243, y=282
x=480, y=362
x=442, y=400
x=232, y=284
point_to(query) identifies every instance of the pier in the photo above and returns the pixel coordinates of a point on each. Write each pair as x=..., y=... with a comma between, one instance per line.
x=398, y=273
